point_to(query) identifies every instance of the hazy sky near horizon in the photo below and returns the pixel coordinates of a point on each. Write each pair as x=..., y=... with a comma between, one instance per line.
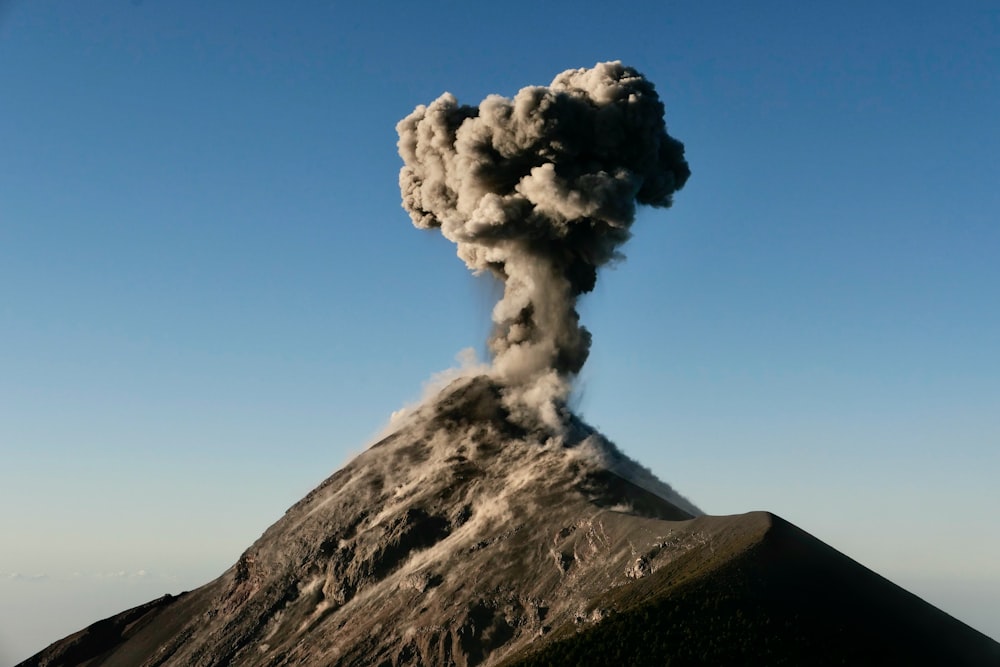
x=210, y=297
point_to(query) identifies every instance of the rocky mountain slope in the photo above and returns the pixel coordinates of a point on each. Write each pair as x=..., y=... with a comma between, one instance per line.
x=466, y=538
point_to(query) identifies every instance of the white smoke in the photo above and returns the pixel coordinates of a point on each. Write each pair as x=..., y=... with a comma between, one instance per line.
x=468, y=366
x=540, y=191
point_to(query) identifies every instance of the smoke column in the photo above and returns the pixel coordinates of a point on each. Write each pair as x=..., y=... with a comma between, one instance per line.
x=540, y=191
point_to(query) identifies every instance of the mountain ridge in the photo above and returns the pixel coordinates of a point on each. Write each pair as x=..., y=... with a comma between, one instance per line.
x=787, y=598
x=467, y=537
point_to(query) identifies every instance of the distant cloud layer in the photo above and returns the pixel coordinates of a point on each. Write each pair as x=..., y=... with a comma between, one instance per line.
x=118, y=575
x=17, y=576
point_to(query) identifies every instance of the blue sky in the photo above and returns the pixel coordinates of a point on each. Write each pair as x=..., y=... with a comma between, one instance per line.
x=210, y=297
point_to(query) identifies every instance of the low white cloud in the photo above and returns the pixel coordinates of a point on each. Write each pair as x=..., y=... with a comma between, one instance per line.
x=78, y=576
x=17, y=576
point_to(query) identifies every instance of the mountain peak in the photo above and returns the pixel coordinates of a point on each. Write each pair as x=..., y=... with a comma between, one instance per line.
x=465, y=537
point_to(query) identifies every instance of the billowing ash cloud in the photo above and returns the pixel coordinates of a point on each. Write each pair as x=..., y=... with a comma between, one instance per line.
x=540, y=190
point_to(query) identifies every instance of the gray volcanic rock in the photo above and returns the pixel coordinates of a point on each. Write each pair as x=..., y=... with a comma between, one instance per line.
x=456, y=540
x=466, y=539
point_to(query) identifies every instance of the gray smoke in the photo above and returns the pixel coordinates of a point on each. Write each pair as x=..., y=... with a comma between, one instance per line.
x=540, y=191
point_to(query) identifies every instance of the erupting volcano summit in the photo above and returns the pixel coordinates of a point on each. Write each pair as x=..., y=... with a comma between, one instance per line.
x=494, y=527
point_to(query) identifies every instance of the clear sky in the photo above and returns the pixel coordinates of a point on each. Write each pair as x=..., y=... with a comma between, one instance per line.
x=210, y=297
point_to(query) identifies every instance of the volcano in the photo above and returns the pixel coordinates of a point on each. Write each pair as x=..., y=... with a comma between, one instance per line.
x=467, y=538
x=492, y=526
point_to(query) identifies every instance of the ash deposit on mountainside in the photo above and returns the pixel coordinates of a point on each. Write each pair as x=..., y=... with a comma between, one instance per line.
x=460, y=539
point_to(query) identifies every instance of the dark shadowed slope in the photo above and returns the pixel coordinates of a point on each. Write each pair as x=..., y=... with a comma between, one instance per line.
x=466, y=539
x=782, y=597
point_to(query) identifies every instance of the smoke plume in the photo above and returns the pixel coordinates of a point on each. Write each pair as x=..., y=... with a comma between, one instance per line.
x=540, y=191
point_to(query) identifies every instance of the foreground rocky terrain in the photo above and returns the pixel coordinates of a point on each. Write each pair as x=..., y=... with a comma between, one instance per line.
x=464, y=538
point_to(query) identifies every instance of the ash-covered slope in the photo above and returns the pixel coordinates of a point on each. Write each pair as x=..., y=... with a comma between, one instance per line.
x=456, y=540
x=466, y=539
